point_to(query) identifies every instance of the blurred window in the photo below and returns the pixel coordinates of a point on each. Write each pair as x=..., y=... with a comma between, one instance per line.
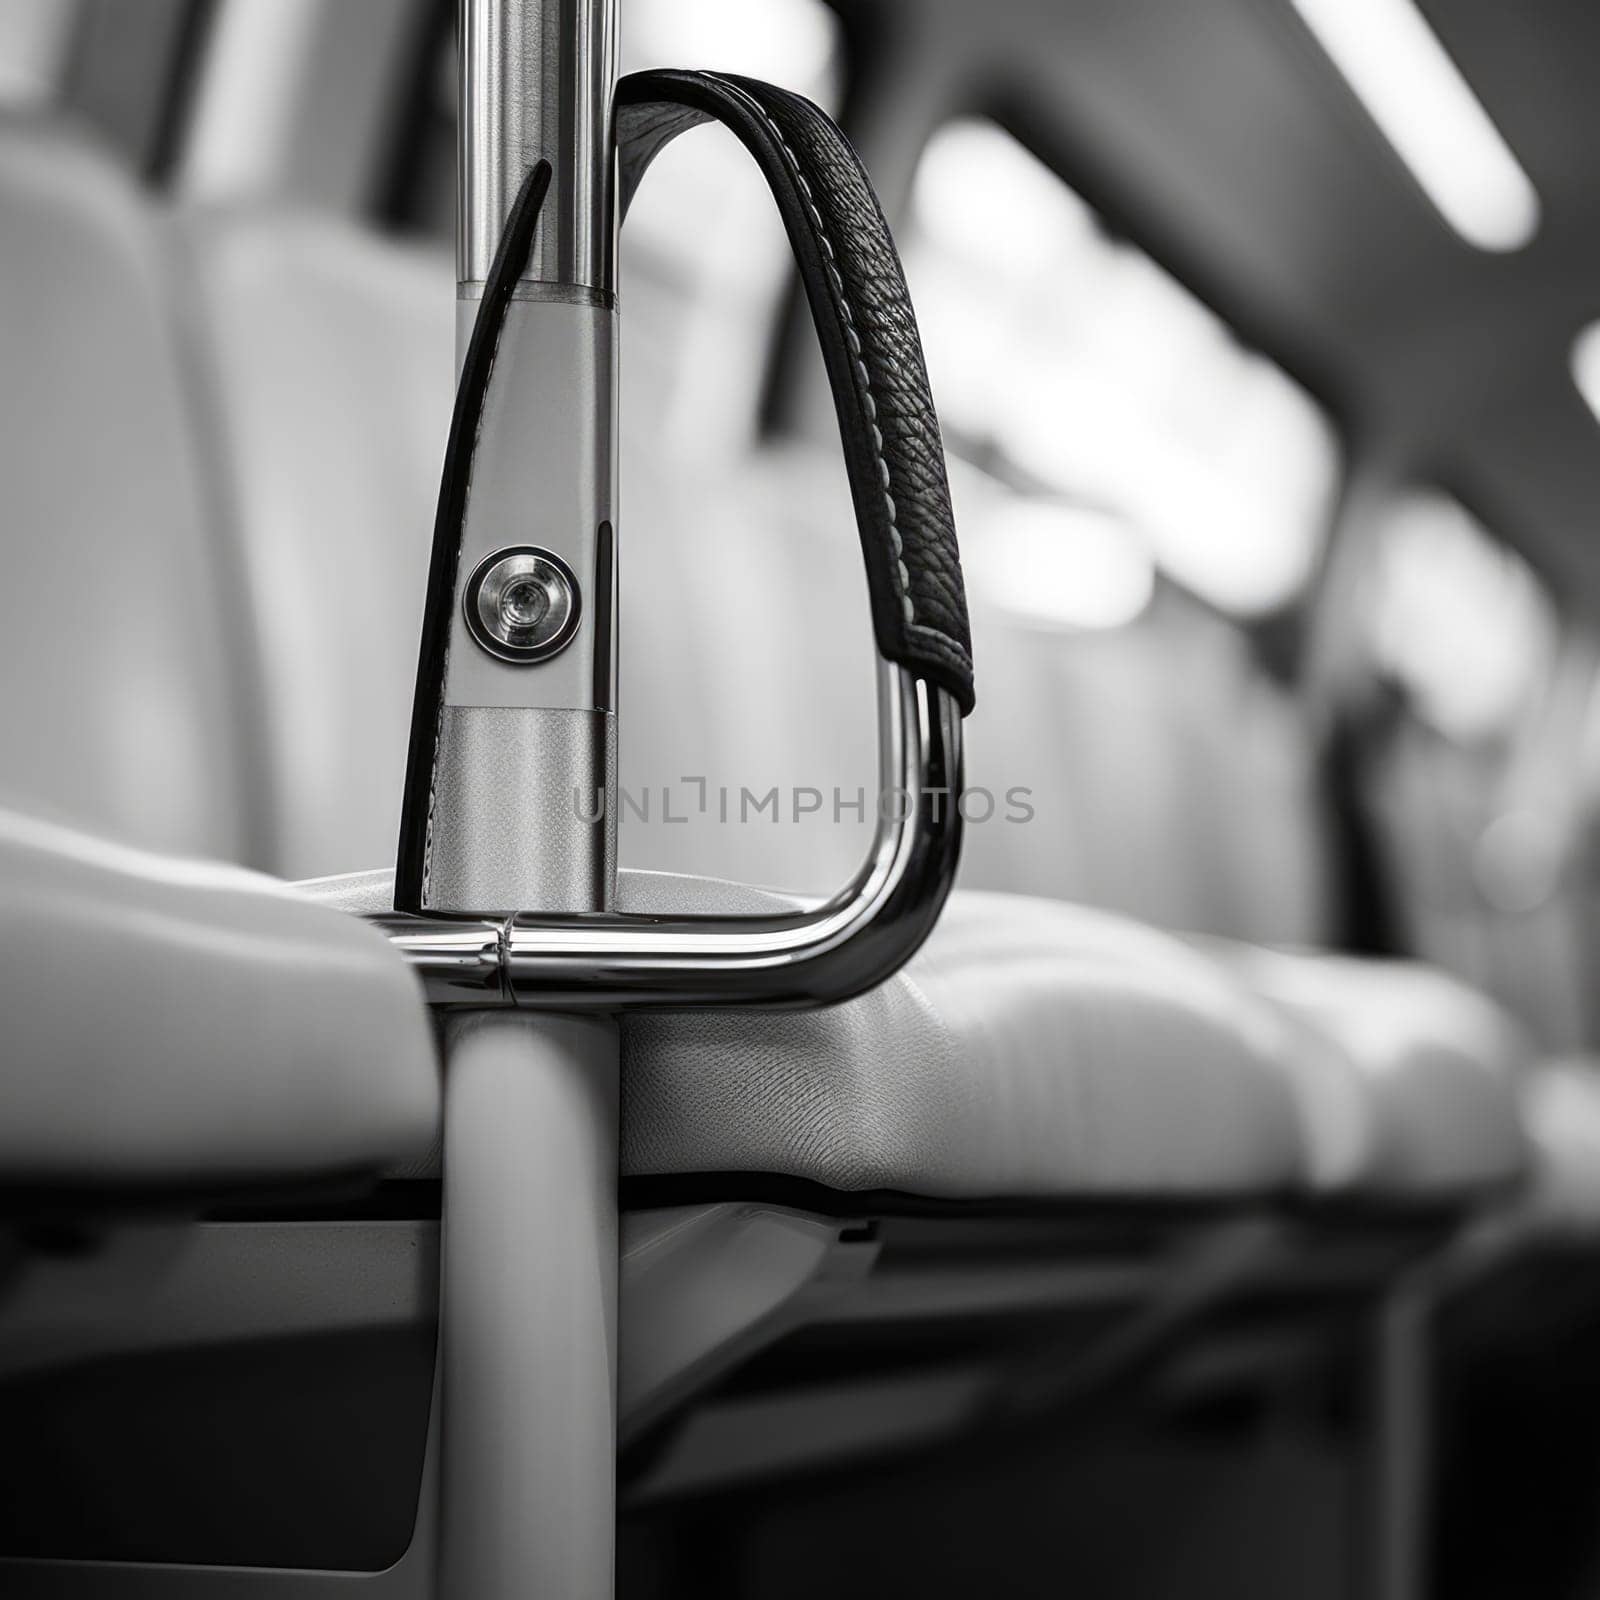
x=1458, y=620
x=1067, y=364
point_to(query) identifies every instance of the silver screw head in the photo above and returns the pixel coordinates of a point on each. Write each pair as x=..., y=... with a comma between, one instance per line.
x=522, y=604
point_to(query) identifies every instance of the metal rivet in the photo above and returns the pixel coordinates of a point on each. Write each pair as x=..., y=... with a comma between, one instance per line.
x=522, y=604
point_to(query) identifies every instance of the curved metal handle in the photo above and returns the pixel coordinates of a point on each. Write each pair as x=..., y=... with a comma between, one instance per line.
x=608, y=961
x=594, y=960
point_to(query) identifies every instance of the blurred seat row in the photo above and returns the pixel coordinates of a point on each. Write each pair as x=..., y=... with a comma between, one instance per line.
x=220, y=469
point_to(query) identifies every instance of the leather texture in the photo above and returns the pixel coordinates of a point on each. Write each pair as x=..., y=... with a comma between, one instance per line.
x=870, y=346
x=185, y=1025
x=1030, y=1050
x=1428, y=1103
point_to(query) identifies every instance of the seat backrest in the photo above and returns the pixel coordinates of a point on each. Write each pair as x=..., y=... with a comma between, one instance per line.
x=327, y=355
x=1167, y=776
x=121, y=654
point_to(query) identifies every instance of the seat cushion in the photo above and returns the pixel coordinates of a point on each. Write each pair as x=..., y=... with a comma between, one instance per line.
x=188, y=1025
x=1409, y=1077
x=1031, y=1049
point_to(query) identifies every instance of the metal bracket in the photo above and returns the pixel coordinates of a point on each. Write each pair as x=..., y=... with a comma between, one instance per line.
x=608, y=961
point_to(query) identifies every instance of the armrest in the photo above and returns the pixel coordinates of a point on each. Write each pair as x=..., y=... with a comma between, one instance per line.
x=188, y=1025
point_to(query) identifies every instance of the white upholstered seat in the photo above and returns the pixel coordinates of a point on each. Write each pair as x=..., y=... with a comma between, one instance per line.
x=1030, y=1050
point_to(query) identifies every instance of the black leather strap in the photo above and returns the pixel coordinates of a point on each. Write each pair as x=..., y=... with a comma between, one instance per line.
x=868, y=332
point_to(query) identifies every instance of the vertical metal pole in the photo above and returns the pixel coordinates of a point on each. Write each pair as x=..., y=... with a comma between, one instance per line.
x=528, y=1306
x=537, y=78
x=521, y=745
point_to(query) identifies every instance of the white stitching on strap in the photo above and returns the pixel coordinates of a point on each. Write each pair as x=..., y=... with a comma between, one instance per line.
x=853, y=339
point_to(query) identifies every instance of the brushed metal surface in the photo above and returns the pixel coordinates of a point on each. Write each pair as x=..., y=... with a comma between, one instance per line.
x=515, y=818
x=604, y=961
x=536, y=82
x=544, y=473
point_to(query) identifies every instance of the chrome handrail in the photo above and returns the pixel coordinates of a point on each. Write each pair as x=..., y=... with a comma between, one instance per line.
x=607, y=961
